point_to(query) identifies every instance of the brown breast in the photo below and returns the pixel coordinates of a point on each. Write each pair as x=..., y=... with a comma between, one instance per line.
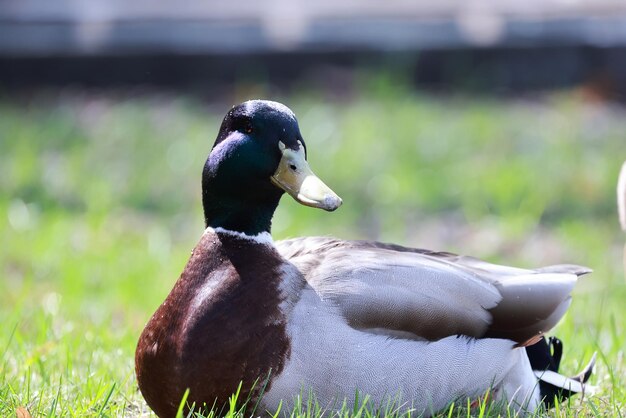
x=220, y=325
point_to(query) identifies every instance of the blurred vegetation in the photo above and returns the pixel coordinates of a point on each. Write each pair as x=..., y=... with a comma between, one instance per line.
x=100, y=207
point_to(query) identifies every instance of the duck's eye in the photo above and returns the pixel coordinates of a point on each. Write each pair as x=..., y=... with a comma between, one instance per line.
x=248, y=129
x=293, y=167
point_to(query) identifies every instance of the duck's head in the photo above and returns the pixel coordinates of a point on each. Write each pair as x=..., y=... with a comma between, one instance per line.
x=259, y=154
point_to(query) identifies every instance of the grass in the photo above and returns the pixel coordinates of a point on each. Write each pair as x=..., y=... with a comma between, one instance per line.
x=100, y=206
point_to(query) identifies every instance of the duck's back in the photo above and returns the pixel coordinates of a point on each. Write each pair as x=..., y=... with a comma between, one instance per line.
x=221, y=324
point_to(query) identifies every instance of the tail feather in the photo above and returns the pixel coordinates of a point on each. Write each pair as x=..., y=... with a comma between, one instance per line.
x=545, y=358
x=557, y=384
x=586, y=373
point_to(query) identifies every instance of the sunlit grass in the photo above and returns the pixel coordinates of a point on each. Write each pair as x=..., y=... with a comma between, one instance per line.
x=100, y=207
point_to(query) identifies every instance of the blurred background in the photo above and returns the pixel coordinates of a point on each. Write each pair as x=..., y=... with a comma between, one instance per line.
x=495, y=129
x=502, y=46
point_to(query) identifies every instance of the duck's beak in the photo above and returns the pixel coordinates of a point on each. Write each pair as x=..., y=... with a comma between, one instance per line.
x=294, y=176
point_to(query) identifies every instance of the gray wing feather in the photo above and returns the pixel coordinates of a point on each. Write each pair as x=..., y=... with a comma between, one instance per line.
x=402, y=291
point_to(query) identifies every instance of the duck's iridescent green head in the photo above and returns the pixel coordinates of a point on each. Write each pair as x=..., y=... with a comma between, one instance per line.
x=259, y=154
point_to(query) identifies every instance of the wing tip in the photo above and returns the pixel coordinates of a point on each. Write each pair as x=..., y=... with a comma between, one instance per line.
x=566, y=269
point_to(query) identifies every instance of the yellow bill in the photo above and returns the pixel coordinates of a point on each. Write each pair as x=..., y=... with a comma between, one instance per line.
x=294, y=176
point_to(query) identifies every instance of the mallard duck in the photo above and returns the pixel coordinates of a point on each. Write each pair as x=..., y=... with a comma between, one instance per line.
x=325, y=317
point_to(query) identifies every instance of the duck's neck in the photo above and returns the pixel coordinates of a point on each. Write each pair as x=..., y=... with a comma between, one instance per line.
x=250, y=216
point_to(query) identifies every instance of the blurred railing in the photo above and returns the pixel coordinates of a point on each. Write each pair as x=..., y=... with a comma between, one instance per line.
x=91, y=27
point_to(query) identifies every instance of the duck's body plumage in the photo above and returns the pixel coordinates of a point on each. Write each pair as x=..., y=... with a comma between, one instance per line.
x=371, y=324
x=330, y=317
